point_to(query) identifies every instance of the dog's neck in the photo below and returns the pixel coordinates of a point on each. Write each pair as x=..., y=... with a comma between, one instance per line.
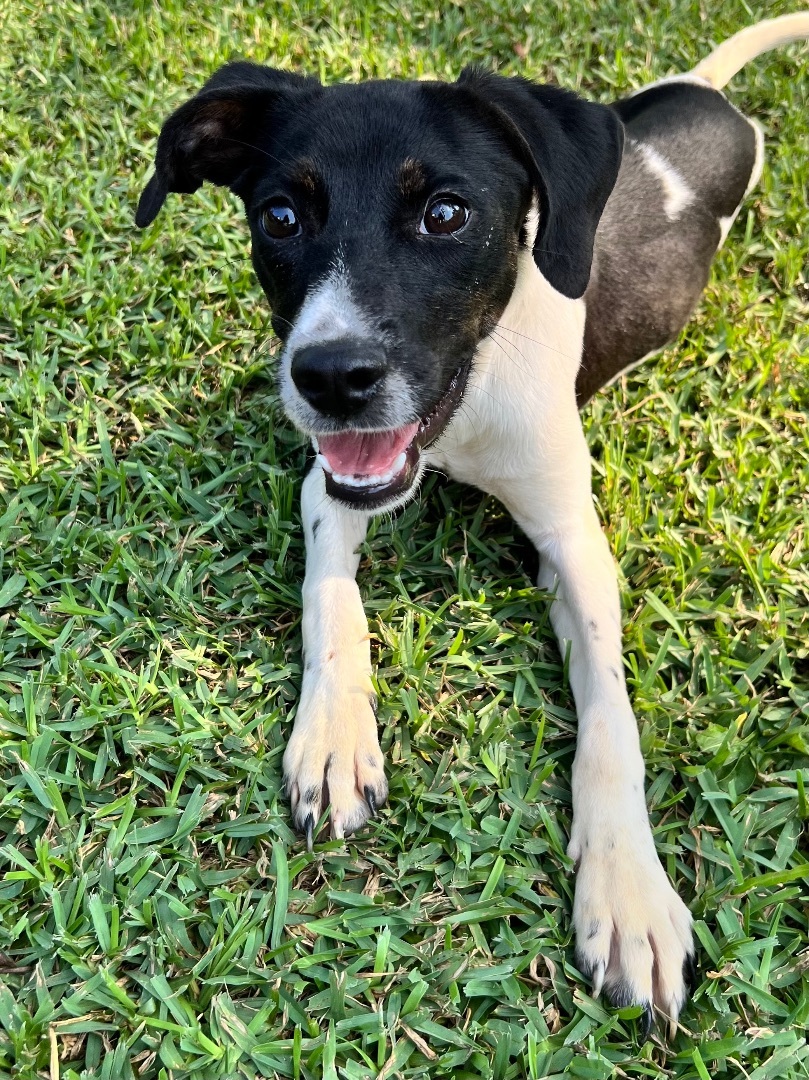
x=524, y=370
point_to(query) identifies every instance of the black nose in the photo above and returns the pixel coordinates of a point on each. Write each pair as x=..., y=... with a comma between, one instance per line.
x=339, y=378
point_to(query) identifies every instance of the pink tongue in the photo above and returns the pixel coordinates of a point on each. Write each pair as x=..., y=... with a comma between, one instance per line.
x=358, y=453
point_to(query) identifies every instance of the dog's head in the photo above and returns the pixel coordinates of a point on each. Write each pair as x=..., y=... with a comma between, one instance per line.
x=387, y=219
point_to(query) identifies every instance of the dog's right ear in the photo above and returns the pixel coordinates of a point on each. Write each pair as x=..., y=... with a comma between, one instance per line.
x=216, y=135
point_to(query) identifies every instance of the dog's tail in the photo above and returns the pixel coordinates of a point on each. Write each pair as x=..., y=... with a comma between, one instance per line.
x=731, y=56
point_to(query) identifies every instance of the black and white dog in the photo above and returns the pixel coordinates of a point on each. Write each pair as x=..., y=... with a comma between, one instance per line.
x=407, y=234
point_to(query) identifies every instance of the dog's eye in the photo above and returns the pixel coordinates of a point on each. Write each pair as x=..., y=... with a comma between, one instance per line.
x=445, y=214
x=280, y=221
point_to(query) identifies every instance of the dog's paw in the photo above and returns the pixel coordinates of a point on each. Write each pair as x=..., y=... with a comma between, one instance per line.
x=333, y=759
x=633, y=932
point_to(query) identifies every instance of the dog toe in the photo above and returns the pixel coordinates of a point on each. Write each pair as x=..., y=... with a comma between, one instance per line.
x=345, y=774
x=633, y=933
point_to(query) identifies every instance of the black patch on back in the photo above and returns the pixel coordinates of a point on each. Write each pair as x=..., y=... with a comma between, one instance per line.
x=649, y=271
x=696, y=129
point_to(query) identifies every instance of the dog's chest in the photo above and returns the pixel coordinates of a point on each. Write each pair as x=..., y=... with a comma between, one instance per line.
x=521, y=392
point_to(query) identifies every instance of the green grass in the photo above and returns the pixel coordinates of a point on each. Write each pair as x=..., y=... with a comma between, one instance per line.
x=158, y=917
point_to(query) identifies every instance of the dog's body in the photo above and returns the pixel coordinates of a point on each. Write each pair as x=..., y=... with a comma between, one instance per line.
x=673, y=130
x=426, y=249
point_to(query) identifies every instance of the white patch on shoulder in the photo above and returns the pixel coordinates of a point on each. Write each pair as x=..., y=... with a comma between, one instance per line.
x=677, y=195
x=521, y=394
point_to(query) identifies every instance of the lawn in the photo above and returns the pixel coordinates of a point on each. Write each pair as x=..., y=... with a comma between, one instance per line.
x=158, y=916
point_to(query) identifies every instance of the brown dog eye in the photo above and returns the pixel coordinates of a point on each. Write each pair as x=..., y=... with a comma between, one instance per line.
x=279, y=221
x=446, y=214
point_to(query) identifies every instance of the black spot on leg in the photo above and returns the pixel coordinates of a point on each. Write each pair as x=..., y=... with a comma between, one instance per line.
x=611, y=845
x=371, y=760
x=615, y=674
x=595, y=928
x=312, y=795
x=315, y=527
x=593, y=625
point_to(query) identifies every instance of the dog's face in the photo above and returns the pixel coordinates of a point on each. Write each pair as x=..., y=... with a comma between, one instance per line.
x=386, y=239
x=386, y=222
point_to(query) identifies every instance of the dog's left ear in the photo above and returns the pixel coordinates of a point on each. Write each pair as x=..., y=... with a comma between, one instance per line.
x=572, y=149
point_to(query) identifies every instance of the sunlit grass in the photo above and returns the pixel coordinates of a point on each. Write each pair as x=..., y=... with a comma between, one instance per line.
x=158, y=917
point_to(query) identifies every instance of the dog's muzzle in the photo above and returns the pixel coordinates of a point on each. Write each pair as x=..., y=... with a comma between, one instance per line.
x=373, y=469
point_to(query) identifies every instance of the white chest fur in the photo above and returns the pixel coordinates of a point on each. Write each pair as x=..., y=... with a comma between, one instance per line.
x=523, y=381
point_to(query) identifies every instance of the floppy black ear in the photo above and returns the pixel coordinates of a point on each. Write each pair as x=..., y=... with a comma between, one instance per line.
x=573, y=152
x=216, y=135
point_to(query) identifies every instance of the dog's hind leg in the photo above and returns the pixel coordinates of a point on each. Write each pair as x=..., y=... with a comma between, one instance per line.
x=333, y=756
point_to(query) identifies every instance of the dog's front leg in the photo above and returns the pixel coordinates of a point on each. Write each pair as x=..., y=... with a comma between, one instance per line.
x=333, y=756
x=633, y=932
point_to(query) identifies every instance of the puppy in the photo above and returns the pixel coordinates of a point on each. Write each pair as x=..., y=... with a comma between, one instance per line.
x=512, y=248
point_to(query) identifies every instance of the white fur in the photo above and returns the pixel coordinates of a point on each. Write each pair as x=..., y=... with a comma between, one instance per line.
x=758, y=163
x=334, y=741
x=731, y=56
x=677, y=195
x=688, y=77
x=725, y=223
x=521, y=439
x=330, y=314
x=517, y=435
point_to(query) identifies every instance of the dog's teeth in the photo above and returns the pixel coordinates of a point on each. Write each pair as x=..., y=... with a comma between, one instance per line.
x=348, y=480
x=315, y=444
x=399, y=463
x=323, y=463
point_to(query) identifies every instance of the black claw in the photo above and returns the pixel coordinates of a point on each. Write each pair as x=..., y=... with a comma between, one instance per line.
x=690, y=973
x=309, y=829
x=646, y=1022
x=370, y=798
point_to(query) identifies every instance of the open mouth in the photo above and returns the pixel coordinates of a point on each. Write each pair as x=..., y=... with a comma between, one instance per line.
x=367, y=469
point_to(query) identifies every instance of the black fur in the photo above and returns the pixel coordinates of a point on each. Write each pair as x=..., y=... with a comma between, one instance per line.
x=574, y=153
x=217, y=135
x=337, y=154
x=649, y=271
